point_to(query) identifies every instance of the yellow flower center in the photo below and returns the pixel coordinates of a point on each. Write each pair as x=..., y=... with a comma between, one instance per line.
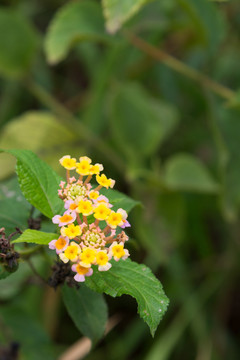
x=73, y=206
x=65, y=218
x=88, y=256
x=71, y=231
x=81, y=270
x=114, y=219
x=71, y=252
x=102, y=258
x=101, y=212
x=118, y=251
x=60, y=243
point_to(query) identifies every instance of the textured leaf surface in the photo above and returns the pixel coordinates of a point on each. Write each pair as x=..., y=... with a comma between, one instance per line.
x=36, y=237
x=128, y=277
x=139, y=122
x=16, y=55
x=117, y=12
x=76, y=21
x=187, y=173
x=87, y=309
x=38, y=182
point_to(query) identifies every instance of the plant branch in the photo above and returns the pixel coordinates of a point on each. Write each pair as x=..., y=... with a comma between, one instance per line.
x=179, y=66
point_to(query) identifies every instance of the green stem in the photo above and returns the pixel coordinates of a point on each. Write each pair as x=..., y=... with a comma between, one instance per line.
x=179, y=66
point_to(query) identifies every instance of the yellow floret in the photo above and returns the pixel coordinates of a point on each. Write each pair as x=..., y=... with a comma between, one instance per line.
x=93, y=195
x=118, y=251
x=104, y=181
x=81, y=270
x=85, y=207
x=101, y=212
x=95, y=169
x=71, y=231
x=72, y=251
x=84, y=166
x=66, y=218
x=60, y=243
x=85, y=158
x=88, y=257
x=101, y=258
x=67, y=162
x=114, y=219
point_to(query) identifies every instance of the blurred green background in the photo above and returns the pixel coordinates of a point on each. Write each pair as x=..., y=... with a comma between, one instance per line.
x=165, y=122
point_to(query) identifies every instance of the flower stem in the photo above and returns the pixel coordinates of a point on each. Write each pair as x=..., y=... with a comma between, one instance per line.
x=179, y=66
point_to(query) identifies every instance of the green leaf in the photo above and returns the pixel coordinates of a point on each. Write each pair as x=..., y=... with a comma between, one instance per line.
x=21, y=133
x=36, y=237
x=128, y=277
x=18, y=41
x=38, y=182
x=207, y=20
x=120, y=200
x=14, y=209
x=87, y=309
x=186, y=173
x=76, y=21
x=117, y=12
x=139, y=122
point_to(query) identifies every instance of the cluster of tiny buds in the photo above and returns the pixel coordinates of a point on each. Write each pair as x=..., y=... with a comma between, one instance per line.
x=88, y=227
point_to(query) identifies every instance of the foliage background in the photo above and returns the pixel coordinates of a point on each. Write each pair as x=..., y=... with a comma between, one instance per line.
x=168, y=131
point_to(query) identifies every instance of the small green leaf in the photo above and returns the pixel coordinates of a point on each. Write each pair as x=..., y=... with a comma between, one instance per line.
x=120, y=200
x=36, y=237
x=18, y=41
x=38, y=182
x=128, y=277
x=87, y=309
x=117, y=12
x=186, y=173
x=139, y=122
x=76, y=21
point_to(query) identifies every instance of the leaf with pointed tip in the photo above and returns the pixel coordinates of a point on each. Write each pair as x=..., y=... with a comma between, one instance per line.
x=128, y=277
x=117, y=12
x=87, y=309
x=36, y=237
x=38, y=182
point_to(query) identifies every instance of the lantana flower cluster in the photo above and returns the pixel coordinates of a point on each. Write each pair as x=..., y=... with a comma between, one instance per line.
x=89, y=227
